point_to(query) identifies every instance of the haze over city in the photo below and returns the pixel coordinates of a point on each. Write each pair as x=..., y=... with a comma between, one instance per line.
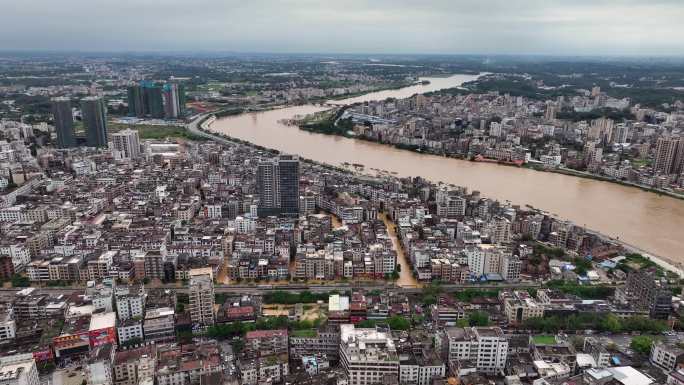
x=309, y=192
x=558, y=27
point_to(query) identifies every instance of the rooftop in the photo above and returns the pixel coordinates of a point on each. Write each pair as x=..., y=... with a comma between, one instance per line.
x=102, y=321
x=367, y=344
x=12, y=367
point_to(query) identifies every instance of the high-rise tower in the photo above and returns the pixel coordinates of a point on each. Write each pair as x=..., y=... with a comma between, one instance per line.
x=95, y=120
x=64, y=122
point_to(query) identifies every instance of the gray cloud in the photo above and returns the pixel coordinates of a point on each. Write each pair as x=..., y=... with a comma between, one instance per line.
x=382, y=26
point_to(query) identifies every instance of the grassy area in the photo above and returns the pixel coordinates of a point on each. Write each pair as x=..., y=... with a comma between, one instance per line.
x=544, y=339
x=584, y=292
x=640, y=162
x=149, y=131
x=636, y=261
x=79, y=128
x=308, y=333
x=319, y=117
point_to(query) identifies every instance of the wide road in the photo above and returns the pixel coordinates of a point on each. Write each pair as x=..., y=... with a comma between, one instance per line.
x=295, y=288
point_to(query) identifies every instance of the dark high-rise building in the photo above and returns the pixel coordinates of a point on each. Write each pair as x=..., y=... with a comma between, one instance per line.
x=267, y=185
x=181, y=99
x=154, y=101
x=649, y=292
x=136, y=101
x=6, y=267
x=288, y=167
x=95, y=120
x=64, y=122
x=278, y=185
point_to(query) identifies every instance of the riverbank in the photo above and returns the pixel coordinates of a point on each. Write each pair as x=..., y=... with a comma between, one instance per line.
x=665, y=263
x=603, y=178
x=330, y=129
x=201, y=126
x=653, y=221
x=362, y=93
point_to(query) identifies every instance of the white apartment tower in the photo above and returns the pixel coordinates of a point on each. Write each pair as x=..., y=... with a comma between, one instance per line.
x=202, y=296
x=127, y=142
x=130, y=302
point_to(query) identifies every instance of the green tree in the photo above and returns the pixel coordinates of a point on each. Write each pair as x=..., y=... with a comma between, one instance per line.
x=431, y=293
x=611, y=323
x=182, y=298
x=369, y=323
x=20, y=281
x=478, y=318
x=641, y=344
x=417, y=319
x=467, y=295
x=238, y=345
x=399, y=323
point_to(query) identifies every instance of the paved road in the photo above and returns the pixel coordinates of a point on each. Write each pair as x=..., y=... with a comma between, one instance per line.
x=293, y=288
x=194, y=128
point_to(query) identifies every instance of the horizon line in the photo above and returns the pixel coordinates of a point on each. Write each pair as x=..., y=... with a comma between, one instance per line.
x=311, y=53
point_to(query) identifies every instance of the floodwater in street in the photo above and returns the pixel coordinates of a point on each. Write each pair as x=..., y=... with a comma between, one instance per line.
x=406, y=278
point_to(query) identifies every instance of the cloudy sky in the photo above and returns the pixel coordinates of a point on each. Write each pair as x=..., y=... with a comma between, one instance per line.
x=571, y=27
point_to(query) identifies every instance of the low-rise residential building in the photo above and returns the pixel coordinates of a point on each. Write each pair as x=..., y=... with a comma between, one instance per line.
x=520, y=306
x=666, y=356
x=485, y=347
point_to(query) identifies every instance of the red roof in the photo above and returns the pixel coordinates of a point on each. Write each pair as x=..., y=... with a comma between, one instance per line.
x=239, y=310
x=266, y=334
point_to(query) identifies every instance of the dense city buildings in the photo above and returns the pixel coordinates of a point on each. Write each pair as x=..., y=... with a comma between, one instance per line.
x=523, y=131
x=161, y=252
